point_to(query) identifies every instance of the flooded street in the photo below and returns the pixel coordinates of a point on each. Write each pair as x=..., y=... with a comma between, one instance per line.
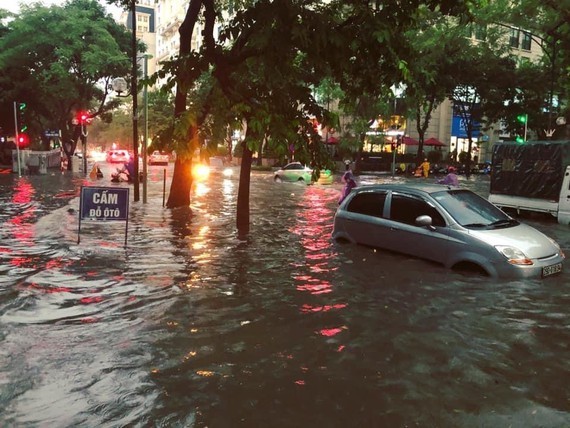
x=190, y=327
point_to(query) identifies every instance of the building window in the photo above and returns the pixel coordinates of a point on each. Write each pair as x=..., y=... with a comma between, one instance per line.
x=514, y=39
x=526, y=41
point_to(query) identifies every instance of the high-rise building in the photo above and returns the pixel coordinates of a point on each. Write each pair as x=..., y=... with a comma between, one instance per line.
x=146, y=17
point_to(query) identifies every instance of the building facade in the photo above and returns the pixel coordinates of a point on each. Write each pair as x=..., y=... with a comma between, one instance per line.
x=448, y=128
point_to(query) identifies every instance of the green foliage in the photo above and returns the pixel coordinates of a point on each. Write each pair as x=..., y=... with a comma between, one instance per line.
x=54, y=58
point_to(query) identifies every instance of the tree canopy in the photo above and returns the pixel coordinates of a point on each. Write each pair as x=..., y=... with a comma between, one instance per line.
x=59, y=60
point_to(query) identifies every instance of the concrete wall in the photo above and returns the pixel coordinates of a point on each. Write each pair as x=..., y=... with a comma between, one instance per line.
x=36, y=162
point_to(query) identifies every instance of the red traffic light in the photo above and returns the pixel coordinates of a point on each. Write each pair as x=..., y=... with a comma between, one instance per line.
x=23, y=140
x=83, y=117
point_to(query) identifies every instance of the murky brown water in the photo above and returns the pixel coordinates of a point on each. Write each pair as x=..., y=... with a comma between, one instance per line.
x=190, y=327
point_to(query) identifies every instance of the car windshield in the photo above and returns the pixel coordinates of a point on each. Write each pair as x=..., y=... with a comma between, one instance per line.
x=472, y=211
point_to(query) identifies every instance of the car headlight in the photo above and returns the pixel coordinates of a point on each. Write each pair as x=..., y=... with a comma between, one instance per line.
x=514, y=255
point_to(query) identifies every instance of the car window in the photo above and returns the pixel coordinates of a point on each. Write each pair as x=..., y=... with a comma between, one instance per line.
x=294, y=166
x=470, y=209
x=369, y=203
x=406, y=208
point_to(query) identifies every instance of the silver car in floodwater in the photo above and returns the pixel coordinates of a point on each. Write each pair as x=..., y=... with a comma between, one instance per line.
x=451, y=226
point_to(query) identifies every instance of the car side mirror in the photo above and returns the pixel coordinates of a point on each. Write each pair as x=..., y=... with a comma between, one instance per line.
x=424, y=221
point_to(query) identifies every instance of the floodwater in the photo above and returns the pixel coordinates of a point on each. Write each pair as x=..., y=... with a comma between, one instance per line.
x=187, y=326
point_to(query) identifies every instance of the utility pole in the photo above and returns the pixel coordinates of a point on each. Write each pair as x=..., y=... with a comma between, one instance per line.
x=134, y=93
x=145, y=133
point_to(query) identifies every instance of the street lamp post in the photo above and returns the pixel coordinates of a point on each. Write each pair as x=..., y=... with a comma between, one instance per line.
x=120, y=86
x=145, y=133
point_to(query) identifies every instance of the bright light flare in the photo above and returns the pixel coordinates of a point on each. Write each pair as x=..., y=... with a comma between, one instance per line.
x=200, y=172
x=228, y=172
x=98, y=156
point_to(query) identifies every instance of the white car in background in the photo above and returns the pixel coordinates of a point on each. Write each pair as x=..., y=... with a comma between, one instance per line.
x=294, y=171
x=158, y=158
x=118, y=156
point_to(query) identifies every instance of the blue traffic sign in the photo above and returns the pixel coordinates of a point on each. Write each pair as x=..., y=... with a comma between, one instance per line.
x=104, y=203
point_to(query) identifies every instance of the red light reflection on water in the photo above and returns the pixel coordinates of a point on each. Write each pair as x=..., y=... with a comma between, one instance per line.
x=35, y=261
x=329, y=332
x=22, y=223
x=57, y=263
x=89, y=300
x=315, y=286
x=325, y=308
x=48, y=289
x=23, y=192
x=22, y=262
x=314, y=227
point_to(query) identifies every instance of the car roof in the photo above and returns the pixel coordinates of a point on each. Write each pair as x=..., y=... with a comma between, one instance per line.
x=417, y=187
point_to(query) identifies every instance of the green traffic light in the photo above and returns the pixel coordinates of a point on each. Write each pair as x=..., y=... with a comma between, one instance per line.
x=22, y=106
x=519, y=139
x=522, y=118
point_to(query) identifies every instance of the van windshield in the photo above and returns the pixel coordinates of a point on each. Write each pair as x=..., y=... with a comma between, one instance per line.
x=472, y=211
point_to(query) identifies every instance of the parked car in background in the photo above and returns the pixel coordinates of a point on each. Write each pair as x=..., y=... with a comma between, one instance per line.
x=118, y=156
x=158, y=158
x=294, y=171
x=454, y=227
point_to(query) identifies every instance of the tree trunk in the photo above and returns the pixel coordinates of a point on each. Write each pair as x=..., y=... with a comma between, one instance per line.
x=358, y=161
x=181, y=186
x=242, y=215
x=468, y=163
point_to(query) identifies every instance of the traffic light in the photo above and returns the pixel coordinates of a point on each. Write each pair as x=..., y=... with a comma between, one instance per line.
x=522, y=120
x=23, y=140
x=83, y=117
x=22, y=126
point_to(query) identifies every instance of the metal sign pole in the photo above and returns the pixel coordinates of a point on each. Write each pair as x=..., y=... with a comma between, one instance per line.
x=80, y=216
x=84, y=145
x=17, y=137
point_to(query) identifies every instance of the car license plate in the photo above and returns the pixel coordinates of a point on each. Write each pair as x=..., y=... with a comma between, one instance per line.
x=552, y=269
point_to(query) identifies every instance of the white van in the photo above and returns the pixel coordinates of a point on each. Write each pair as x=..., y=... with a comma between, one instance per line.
x=533, y=176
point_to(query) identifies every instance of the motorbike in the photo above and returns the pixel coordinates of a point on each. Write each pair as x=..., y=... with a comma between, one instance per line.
x=120, y=176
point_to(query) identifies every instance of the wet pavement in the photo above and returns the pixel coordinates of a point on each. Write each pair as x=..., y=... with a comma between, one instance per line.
x=190, y=327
